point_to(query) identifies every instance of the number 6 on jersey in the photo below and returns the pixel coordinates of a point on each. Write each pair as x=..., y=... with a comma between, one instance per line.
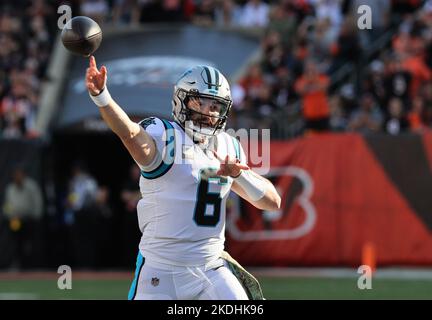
x=206, y=198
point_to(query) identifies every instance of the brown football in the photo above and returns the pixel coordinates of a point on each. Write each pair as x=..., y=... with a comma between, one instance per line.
x=82, y=36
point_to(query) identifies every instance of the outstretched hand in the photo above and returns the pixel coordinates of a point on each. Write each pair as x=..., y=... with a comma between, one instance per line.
x=230, y=166
x=95, y=79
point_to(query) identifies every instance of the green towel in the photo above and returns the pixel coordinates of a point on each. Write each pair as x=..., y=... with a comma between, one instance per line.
x=248, y=281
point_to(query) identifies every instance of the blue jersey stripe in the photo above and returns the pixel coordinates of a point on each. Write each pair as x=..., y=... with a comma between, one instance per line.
x=169, y=157
x=139, y=264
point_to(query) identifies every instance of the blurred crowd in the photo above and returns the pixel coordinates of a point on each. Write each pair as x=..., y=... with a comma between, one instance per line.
x=304, y=44
x=89, y=229
x=26, y=38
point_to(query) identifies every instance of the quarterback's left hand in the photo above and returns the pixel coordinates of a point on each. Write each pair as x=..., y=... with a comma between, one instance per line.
x=230, y=166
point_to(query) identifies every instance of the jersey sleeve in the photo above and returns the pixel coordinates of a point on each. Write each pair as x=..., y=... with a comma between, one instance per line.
x=162, y=133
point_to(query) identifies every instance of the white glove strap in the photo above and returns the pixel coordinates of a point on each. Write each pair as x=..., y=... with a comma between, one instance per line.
x=252, y=185
x=102, y=99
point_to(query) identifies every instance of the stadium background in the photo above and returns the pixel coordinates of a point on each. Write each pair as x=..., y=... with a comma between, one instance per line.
x=351, y=156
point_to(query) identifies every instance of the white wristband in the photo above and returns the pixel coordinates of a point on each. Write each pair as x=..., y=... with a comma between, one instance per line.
x=252, y=185
x=102, y=99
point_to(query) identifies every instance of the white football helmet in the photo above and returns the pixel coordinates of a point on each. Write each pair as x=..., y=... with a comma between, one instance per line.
x=201, y=83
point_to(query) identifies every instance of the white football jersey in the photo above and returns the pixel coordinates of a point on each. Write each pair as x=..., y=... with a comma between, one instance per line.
x=182, y=211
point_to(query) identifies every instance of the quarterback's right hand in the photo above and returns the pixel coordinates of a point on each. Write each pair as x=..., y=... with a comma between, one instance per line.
x=95, y=79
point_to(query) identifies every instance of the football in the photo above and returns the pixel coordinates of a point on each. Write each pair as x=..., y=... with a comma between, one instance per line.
x=81, y=35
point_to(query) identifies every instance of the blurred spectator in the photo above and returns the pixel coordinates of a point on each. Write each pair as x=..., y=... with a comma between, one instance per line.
x=172, y=10
x=18, y=108
x=348, y=98
x=409, y=47
x=295, y=59
x=419, y=71
x=271, y=40
x=426, y=93
x=228, y=14
x=322, y=40
x=338, y=120
x=96, y=9
x=238, y=95
x=283, y=87
x=374, y=82
x=312, y=88
x=395, y=122
x=406, y=7
x=130, y=195
x=401, y=41
x=82, y=189
x=80, y=214
x=346, y=47
x=147, y=11
x=264, y=106
x=100, y=228
x=283, y=20
x=205, y=14
x=137, y=11
x=398, y=81
x=126, y=10
x=252, y=81
x=23, y=209
x=368, y=118
x=255, y=14
x=246, y=116
x=416, y=117
x=329, y=10
x=273, y=60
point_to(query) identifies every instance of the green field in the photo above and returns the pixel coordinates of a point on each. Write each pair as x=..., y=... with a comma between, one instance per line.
x=274, y=288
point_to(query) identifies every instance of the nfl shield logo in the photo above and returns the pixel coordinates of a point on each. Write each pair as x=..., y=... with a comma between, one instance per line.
x=155, y=282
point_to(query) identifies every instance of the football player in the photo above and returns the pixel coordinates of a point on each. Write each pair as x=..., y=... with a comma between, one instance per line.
x=188, y=167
